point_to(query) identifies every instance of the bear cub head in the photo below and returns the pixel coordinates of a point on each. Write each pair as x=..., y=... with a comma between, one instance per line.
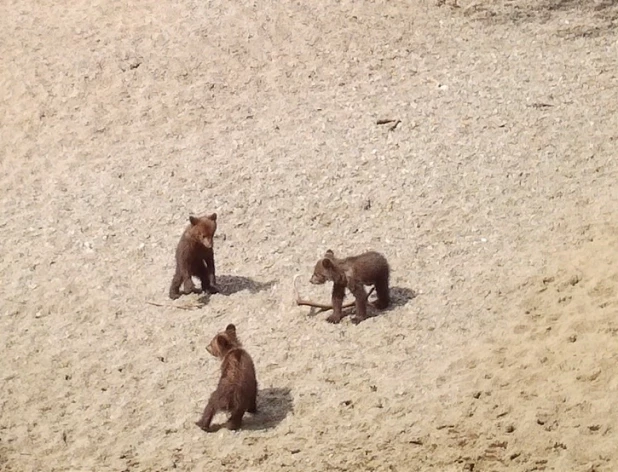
x=202, y=229
x=324, y=269
x=224, y=342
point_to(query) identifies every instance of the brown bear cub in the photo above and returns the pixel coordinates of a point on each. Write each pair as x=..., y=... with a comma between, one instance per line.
x=237, y=389
x=370, y=268
x=195, y=256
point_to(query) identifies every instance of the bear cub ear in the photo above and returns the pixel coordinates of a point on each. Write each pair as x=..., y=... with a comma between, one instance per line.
x=195, y=220
x=329, y=254
x=327, y=263
x=231, y=328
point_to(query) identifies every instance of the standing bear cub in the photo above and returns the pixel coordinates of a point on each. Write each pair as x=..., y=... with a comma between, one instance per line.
x=369, y=268
x=237, y=389
x=195, y=256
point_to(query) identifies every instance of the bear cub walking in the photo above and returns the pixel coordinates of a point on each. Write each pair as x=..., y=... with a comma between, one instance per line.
x=369, y=268
x=195, y=256
x=237, y=389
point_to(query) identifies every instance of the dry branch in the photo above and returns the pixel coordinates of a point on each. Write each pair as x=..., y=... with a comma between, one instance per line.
x=385, y=121
x=320, y=306
x=180, y=307
x=392, y=128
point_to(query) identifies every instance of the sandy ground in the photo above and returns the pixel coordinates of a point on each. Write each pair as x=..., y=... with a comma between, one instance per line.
x=494, y=199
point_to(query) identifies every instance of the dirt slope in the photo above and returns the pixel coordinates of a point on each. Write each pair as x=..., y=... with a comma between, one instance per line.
x=494, y=199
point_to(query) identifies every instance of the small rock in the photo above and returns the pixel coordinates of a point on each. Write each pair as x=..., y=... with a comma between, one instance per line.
x=573, y=338
x=591, y=377
x=574, y=280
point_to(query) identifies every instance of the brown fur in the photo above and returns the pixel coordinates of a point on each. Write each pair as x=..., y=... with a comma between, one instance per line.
x=370, y=268
x=195, y=256
x=237, y=389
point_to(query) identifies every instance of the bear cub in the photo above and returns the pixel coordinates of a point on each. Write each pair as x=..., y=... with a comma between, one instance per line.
x=237, y=389
x=353, y=273
x=195, y=257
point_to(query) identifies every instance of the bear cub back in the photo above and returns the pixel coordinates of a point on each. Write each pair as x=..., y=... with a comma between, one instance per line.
x=237, y=389
x=368, y=268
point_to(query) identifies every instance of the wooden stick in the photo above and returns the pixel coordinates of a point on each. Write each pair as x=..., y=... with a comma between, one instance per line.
x=321, y=306
x=180, y=307
x=385, y=121
x=392, y=128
